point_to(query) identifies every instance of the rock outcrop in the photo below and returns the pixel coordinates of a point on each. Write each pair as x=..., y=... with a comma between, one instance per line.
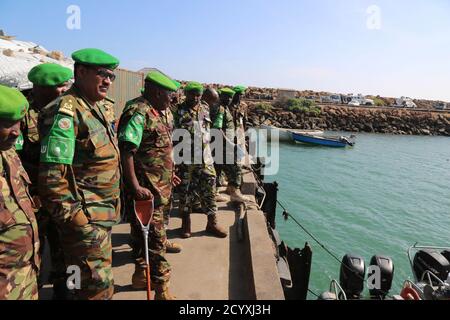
x=338, y=118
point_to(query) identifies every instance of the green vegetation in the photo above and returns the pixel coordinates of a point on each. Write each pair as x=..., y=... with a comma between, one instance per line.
x=264, y=106
x=379, y=102
x=303, y=106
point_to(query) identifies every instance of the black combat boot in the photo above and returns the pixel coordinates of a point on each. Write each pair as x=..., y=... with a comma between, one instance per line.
x=186, y=224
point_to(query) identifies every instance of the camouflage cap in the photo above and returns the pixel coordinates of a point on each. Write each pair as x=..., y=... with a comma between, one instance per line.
x=227, y=91
x=95, y=57
x=239, y=89
x=13, y=104
x=161, y=80
x=194, y=86
x=49, y=74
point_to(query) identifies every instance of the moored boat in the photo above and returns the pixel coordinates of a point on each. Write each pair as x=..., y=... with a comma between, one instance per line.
x=284, y=134
x=327, y=141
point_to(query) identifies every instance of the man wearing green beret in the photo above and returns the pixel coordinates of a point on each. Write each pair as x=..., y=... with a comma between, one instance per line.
x=199, y=175
x=239, y=108
x=239, y=112
x=80, y=172
x=50, y=81
x=19, y=240
x=145, y=140
x=210, y=97
x=223, y=120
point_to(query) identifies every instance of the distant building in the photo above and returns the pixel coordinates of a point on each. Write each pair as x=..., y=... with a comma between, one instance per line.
x=441, y=106
x=287, y=94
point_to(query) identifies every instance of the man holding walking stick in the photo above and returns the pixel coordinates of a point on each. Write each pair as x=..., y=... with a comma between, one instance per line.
x=145, y=141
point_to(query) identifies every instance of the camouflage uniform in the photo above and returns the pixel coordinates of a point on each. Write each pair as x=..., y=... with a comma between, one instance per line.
x=29, y=155
x=147, y=134
x=80, y=178
x=109, y=114
x=232, y=171
x=19, y=240
x=198, y=180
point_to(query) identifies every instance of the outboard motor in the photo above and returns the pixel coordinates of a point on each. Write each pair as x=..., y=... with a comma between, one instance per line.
x=446, y=254
x=386, y=267
x=327, y=296
x=353, y=271
x=432, y=261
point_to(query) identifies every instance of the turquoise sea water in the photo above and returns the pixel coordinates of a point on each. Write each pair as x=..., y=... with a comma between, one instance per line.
x=379, y=197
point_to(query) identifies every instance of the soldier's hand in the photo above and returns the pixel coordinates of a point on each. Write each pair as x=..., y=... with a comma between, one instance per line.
x=141, y=193
x=176, y=180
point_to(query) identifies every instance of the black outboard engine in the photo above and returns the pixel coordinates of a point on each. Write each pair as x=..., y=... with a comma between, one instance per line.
x=446, y=254
x=432, y=261
x=385, y=265
x=353, y=271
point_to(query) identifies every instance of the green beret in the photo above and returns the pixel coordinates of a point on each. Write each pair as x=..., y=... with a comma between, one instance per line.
x=239, y=89
x=194, y=86
x=161, y=80
x=95, y=57
x=177, y=84
x=13, y=104
x=49, y=74
x=227, y=91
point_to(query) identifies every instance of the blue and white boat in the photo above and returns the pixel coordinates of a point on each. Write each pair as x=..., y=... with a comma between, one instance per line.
x=285, y=134
x=327, y=141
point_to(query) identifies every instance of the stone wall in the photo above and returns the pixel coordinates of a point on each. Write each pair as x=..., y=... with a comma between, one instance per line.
x=338, y=118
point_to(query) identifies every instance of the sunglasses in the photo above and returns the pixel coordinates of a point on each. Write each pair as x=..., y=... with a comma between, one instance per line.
x=105, y=74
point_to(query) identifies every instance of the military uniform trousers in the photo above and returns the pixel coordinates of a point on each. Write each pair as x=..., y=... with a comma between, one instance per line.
x=18, y=281
x=199, y=182
x=89, y=247
x=159, y=266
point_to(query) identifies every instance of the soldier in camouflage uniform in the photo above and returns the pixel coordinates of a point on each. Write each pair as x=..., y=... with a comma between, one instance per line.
x=223, y=119
x=145, y=139
x=80, y=172
x=212, y=99
x=19, y=240
x=239, y=110
x=49, y=82
x=199, y=177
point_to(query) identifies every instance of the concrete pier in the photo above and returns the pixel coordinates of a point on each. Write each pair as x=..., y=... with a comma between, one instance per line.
x=209, y=268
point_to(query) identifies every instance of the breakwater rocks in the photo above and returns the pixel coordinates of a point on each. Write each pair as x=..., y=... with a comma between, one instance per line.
x=337, y=118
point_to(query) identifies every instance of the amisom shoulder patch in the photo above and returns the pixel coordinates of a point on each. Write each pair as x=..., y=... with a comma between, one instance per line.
x=133, y=131
x=59, y=145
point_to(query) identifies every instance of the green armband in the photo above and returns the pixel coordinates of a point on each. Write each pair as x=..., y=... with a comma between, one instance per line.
x=218, y=123
x=59, y=144
x=133, y=131
x=19, y=142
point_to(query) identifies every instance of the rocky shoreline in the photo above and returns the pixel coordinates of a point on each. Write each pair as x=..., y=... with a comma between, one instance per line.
x=338, y=118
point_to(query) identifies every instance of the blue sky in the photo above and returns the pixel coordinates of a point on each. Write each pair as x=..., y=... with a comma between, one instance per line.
x=302, y=44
